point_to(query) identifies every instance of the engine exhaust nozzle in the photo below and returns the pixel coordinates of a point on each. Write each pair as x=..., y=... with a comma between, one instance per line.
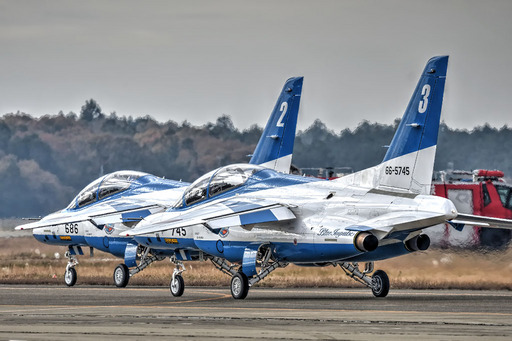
x=418, y=243
x=366, y=242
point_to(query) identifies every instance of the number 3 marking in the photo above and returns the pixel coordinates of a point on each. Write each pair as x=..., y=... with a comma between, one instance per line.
x=284, y=107
x=422, y=107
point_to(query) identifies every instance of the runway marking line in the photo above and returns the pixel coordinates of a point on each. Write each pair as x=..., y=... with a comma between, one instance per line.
x=210, y=291
x=178, y=304
x=59, y=307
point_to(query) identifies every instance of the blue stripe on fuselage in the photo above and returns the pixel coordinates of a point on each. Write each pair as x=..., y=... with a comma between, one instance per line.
x=56, y=239
x=233, y=251
x=257, y=217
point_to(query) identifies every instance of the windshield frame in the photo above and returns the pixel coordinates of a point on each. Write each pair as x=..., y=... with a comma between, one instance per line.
x=203, y=185
x=91, y=193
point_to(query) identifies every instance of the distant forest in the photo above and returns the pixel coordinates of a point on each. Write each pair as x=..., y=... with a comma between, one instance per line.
x=46, y=161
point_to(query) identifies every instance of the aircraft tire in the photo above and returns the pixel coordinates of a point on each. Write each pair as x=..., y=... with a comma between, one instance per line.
x=121, y=276
x=70, y=277
x=239, y=286
x=382, y=280
x=179, y=286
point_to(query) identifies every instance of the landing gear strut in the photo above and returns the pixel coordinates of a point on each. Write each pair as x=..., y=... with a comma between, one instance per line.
x=177, y=285
x=240, y=283
x=122, y=273
x=378, y=283
x=70, y=275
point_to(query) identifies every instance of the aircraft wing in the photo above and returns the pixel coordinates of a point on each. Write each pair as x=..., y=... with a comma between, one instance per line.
x=115, y=212
x=231, y=212
x=398, y=222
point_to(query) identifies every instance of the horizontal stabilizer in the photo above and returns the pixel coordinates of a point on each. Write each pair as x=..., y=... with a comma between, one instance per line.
x=475, y=220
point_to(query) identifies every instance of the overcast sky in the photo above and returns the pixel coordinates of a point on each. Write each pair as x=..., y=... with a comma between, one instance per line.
x=197, y=60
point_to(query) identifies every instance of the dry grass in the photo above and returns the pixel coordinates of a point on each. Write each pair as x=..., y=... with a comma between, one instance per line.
x=24, y=260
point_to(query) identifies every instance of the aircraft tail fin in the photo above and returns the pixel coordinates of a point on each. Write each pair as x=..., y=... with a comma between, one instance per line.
x=409, y=161
x=275, y=147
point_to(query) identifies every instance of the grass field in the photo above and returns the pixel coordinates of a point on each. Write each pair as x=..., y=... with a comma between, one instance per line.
x=24, y=260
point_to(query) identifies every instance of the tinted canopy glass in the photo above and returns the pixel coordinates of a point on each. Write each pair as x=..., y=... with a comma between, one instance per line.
x=217, y=182
x=104, y=187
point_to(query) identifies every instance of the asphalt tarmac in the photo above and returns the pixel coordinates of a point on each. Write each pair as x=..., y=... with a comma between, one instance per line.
x=136, y=313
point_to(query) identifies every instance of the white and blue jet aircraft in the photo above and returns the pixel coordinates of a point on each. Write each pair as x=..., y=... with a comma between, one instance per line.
x=249, y=220
x=117, y=202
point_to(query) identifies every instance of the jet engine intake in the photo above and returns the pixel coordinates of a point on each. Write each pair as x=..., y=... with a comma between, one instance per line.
x=366, y=242
x=418, y=243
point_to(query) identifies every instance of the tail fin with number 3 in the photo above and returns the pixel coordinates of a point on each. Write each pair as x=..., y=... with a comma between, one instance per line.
x=409, y=161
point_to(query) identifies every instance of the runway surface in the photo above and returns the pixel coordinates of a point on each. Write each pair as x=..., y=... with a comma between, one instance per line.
x=135, y=313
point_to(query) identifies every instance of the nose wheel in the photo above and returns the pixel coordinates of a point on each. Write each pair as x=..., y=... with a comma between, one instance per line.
x=70, y=277
x=177, y=286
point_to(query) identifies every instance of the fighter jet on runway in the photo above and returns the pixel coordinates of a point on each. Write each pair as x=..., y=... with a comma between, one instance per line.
x=117, y=202
x=249, y=220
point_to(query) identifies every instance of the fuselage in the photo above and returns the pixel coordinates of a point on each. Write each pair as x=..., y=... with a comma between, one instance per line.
x=99, y=223
x=329, y=215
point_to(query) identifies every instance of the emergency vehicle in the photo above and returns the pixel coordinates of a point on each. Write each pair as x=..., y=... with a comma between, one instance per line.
x=480, y=192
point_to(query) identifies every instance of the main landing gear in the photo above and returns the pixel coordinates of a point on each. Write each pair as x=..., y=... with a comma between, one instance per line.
x=240, y=283
x=121, y=276
x=239, y=286
x=122, y=273
x=70, y=275
x=378, y=283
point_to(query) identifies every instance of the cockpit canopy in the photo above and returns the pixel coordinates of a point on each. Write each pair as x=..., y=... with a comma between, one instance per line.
x=217, y=182
x=104, y=187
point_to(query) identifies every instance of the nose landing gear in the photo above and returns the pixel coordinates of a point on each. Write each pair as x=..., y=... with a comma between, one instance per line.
x=70, y=275
x=177, y=285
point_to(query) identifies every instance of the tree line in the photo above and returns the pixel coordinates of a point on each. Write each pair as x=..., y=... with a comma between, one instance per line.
x=46, y=161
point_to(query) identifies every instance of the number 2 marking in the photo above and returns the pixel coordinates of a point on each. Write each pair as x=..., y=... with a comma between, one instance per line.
x=284, y=107
x=422, y=107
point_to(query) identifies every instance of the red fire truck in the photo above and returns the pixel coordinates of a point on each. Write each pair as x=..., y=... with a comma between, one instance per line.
x=480, y=192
